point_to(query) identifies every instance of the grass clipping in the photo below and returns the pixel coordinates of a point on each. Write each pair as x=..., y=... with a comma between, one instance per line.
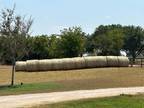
x=72, y=63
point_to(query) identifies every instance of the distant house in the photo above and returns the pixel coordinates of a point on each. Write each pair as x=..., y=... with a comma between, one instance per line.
x=123, y=53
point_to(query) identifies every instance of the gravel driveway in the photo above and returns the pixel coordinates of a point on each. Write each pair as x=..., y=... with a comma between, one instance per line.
x=27, y=100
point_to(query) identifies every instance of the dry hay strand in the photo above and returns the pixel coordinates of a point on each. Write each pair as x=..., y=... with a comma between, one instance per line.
x=95, y=61
x=20, y=66
x=32, y=65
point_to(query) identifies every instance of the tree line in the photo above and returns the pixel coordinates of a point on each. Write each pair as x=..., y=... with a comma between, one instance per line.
x=16, y=42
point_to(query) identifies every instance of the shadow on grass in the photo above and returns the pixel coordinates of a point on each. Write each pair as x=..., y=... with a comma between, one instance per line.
x=2, y=87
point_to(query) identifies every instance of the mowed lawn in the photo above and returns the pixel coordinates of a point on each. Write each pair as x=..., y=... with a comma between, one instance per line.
x=51, y=81
x=112, y=102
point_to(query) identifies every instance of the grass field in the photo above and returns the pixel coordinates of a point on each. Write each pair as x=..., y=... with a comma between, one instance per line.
x=30, y=88
x=112, y=102
x=70, y=80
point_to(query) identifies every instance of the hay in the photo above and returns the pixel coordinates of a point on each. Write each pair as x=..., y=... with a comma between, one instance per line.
x=117, y=61
x=32, y=65
x=123, y=61
x=61, y=64
x=79, y=62
x=72, y=63
x=20, y=66
x=56, y=64
x=95, y=61
x=68, y=63
x=45, y=65
x=112, y=61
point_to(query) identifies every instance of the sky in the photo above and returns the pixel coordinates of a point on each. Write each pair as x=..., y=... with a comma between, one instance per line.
x=51, y=16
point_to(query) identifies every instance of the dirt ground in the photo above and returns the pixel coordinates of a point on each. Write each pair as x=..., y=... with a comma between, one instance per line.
x=29, y=100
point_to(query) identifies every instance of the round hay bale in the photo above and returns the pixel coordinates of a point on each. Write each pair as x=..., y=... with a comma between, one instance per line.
x=45, y=65
x=56, y=64
x=79, y=62
x=68, y=63
x=123, y=61
x=112, y=61
x=32, y=65
x=95, y=61
x=20, y=66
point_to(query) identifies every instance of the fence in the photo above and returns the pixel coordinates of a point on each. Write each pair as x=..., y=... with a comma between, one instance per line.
x=138, y=62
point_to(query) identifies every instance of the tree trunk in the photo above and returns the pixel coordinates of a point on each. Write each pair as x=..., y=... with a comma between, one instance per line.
x=13, y=72
x=133, y=57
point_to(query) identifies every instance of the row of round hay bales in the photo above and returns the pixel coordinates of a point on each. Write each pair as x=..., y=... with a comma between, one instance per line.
x=72, y=63
x=117, y=61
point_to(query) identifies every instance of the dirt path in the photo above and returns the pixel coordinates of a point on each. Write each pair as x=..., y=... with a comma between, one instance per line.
x=42, y=98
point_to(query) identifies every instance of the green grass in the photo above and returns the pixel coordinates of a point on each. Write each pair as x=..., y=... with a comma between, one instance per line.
x=29, y=88
x=112, y=102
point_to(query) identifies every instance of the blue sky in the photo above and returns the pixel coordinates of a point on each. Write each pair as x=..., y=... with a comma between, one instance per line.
x=51, y=16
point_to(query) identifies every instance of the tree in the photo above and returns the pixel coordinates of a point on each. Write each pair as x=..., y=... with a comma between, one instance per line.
x=133, y=41
x=103, y=37
x=14, y=30
x=72, y=42
x=108, y=42
x=39, y=47
x=89, y=44
x=102, y=29
x=54, y=46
